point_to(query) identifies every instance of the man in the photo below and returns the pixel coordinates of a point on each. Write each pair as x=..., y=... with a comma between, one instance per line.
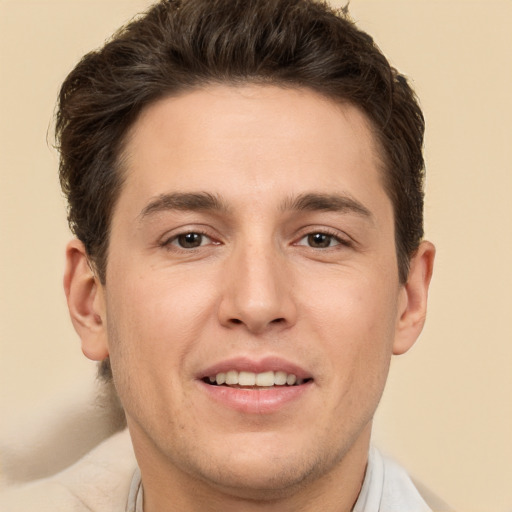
x=245, y=185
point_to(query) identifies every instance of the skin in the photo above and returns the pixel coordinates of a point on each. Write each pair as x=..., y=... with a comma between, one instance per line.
x=258, y=286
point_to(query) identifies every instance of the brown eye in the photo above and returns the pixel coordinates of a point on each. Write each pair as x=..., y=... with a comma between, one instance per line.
x=321, y=240
x=190, y=240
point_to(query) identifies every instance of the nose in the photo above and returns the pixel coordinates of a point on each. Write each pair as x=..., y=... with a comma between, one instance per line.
x=257, y=290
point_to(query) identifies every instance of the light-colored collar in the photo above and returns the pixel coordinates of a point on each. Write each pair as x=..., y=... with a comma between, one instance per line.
x=136, y=496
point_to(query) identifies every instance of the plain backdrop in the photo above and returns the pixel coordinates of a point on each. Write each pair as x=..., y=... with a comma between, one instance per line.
x=447, y=411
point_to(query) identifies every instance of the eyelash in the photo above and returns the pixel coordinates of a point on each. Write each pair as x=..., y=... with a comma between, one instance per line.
x=169, y=245
x=172, y=242
x=344, y=242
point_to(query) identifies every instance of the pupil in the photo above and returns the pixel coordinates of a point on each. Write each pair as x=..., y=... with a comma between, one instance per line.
x=319, y=240
x=190, y=240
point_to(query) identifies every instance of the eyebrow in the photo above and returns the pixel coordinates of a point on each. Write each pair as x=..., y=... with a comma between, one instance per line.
x=190, y=201
x=204, y=201
x=327, y=202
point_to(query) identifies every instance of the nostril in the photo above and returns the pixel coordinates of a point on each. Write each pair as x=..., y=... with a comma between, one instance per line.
x=253, y=325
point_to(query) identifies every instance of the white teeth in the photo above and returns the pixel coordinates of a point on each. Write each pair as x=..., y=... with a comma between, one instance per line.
x=263, y=379
x=280, y=378
x=232, y=377
x=246, y=379
x=291, y=379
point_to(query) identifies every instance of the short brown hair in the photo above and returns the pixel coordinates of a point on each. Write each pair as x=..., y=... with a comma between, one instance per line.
x=183, y=44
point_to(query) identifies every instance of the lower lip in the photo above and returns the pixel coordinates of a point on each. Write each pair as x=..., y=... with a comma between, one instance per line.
x=256, y=401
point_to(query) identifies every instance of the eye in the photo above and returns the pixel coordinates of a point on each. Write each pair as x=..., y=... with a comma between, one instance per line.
x=320, y=240
x=189, y=240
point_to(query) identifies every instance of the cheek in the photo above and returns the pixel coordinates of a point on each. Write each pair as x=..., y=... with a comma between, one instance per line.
x=356, y=322
x=156, y=317
x=153, y=324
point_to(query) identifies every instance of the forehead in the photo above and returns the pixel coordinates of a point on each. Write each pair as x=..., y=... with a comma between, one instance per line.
x=250, y=139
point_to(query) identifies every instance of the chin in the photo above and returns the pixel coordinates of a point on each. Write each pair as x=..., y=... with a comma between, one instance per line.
x=258, y=483
x=267, y=475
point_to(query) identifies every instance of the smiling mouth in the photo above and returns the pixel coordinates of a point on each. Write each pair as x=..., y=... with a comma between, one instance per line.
x=244, y=379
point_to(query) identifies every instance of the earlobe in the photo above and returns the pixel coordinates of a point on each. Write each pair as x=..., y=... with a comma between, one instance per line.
x=86, y=304
x=413, y=302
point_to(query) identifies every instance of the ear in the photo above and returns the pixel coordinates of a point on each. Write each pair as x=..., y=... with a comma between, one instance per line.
x=413, y=300
x=86, y=303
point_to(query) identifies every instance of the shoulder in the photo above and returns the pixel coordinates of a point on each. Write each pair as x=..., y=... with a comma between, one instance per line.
x=401, y=490
x=99, y=481
x=387, y=487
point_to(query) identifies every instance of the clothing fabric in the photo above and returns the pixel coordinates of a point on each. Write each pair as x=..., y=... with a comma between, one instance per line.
x=388, y=488
x=97, y=482
x=136, y=496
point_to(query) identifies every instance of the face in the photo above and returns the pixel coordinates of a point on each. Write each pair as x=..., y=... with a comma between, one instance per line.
x=252, y=300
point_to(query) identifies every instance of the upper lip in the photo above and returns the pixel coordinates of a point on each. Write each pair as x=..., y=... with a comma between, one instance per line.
x=247, y=364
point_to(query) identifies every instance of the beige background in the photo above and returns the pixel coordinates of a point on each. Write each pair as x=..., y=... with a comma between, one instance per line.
x=447, y=411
